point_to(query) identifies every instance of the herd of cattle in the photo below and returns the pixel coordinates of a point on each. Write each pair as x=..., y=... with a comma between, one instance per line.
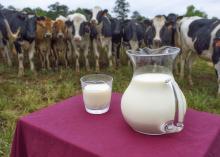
x=75, y=34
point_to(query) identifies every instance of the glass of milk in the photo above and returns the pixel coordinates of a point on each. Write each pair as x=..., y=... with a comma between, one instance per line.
x=97, y=90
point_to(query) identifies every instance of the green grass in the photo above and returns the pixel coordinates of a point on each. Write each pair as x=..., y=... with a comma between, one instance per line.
x=21, y=96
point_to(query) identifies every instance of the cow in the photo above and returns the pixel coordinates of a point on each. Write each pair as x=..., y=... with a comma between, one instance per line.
x=59, y=41
x=26, y=23
x=101, y=34
x=43, y=41
x=160, y=31
x=199, y=37
x=69, y=27
x=79, y=32
x=133, y=34
x=7, y=37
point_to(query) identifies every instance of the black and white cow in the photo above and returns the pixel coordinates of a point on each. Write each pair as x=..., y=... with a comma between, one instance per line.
x=26, y=40
x=133, y=34
x=160, y=31
x=7, y=37
x=101, y=34
x=199, y=37
x=79, y=32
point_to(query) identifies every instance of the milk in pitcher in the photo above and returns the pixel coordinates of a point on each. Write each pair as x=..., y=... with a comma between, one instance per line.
x=149, y=102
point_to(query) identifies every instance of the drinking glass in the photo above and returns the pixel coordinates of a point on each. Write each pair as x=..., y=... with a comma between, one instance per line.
x=97, y=89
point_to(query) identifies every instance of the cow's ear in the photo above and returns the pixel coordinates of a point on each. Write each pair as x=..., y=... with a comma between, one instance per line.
x=41, y=24
x=88, y=12
x=164, y=16
x=68, y=23
x=217, y=42
x=53, y=22
x=104, y=12
x=21, y=16
x=179, y=18
x=148, y=22
x=41, y=18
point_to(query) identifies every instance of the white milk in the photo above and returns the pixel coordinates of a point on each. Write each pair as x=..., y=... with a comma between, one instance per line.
x=97, y=96
x=148, y=102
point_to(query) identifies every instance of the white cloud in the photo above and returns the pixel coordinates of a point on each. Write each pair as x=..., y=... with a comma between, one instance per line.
x=145, y=7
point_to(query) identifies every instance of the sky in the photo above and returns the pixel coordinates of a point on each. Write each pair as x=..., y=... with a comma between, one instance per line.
x=148, y=8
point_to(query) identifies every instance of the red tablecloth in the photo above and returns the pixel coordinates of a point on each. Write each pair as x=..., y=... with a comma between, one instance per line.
x=66, y=130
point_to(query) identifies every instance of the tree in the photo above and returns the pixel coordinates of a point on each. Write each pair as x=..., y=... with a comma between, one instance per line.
x=28, y=10
x=40, y=12
x=1, y=6
x=215, y=18
x=121, y=9
x=11, y=7
x=57, y=9
x=192, y=11
x=84, y=11
x=137, y=16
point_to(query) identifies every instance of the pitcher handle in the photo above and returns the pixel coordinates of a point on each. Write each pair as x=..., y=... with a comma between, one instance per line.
x=177, y=124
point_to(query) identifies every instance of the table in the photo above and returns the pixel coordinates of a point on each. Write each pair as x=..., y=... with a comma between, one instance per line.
x=66, y=130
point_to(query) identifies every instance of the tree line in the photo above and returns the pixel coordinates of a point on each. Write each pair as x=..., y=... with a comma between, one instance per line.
x=121, y=11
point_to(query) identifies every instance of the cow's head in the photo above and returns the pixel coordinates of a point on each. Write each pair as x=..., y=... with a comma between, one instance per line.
x=28, y=25
x=116, y=26
x=31, y=27
x=161, y=30
x=158, y=25
x=44, y=27
x=96, y=10
x=80, y=26
x=62, y=18
x=98, y=14
x=59, y=29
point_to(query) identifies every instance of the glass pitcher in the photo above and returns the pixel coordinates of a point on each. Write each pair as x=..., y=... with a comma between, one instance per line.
x=153, y=102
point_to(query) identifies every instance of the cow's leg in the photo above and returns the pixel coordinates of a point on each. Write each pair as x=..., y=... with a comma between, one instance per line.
x=6, y=52
x=86, y=57
x=176, y=65
x=118, y=54
x=20, y=62
x=96, y=55
x=69, y=52
x=48, y=59
x=66, y=58
x=56, y=57
x=110, y=53
x=114, y=53
x=31, y=53
x=217, y=68
x=183, y=57
x=182, y=65
x=77, y=59
x=190, y=59
x=20, y=59
x=41, y=55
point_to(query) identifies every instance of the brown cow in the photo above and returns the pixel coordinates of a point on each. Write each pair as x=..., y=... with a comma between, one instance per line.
x=59, y=42
x=43, y=40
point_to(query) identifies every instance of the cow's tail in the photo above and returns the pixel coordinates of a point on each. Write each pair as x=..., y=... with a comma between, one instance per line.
x=11, y=36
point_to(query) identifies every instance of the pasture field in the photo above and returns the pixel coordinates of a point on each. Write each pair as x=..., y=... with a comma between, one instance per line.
x=21, y=96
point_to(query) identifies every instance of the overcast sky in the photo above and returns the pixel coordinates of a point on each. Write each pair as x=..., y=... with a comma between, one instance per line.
x=148, y=8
